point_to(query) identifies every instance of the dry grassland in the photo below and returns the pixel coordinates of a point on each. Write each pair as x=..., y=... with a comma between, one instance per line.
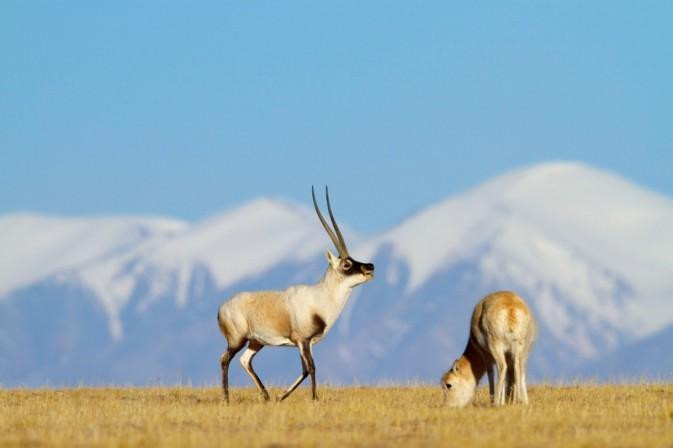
x=568, y=416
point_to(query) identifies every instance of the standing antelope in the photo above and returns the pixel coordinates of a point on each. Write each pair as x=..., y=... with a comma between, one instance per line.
x=299, y=316
x=501, y=333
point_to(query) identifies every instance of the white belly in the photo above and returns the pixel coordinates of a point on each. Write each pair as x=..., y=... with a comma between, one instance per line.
x=267, y=339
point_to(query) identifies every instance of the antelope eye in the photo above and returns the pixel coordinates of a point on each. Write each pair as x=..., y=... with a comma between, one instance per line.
x=347, y=264
x=448, y=385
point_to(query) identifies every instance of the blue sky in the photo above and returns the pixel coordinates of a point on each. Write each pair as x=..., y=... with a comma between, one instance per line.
x=186, y=109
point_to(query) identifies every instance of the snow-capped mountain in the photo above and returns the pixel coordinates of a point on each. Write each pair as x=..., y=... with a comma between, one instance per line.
x=591, y=252
x=133, y=299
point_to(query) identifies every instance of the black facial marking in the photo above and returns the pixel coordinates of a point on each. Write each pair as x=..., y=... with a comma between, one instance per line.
x=356, y=267
x=448, y=385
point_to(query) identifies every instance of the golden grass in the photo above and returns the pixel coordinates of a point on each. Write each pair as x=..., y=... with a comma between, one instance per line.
x=568, y=416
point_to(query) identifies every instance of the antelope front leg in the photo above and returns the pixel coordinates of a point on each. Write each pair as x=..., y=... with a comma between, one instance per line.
x=298, y=381
x=311, y=368
x=491, y=382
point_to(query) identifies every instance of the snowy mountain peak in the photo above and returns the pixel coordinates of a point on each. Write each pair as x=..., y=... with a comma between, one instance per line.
x=592, y=210
x=590, y=251
x=244, y=242
x=37, y=246
x=560, y=223
x=264, y=209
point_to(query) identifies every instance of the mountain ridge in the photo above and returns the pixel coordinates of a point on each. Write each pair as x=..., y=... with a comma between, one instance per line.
x=557, y=233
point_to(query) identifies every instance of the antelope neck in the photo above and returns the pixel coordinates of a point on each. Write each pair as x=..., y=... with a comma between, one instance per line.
x=335, y=294
x=475, y=360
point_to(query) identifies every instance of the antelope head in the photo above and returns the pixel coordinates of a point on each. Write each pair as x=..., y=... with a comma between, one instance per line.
x=458, y=384
x=351, y=270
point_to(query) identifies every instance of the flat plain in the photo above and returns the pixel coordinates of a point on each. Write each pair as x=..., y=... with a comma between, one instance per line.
x=581, y=415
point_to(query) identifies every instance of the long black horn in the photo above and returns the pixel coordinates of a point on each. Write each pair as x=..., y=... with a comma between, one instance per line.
x=326, y=226
x=336, y=227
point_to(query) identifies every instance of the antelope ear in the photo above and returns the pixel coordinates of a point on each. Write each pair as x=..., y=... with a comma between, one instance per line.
x=332, y=259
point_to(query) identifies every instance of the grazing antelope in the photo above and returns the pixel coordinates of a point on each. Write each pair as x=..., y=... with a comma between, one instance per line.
x=501, y=334
x=299, y=316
